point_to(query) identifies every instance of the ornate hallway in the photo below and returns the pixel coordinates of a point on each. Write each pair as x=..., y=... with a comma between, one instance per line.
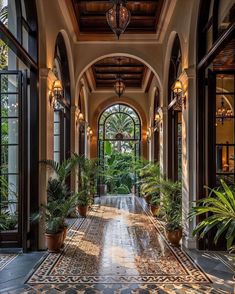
x=119, y=248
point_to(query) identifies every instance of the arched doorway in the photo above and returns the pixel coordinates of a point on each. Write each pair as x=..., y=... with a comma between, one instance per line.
x=118, y=147
x=62, y=113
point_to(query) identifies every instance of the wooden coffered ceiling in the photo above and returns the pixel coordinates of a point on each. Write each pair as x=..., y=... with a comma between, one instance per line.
x=103, y=74
x=91, y=19
x=225, y=60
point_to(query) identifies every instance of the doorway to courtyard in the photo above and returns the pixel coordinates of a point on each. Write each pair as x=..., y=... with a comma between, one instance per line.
x=119, y=149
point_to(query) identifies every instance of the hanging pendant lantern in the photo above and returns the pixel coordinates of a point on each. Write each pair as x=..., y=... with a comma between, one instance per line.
x=223, y=113
x=119, y=86
x=118, y=17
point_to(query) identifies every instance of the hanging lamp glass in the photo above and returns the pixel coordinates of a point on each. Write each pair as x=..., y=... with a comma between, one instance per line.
x=119, y=86
x=118, y=17
x=223, y=113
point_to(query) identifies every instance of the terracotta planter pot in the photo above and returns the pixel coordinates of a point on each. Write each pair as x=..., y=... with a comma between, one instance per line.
x=82, y=210
x=174, y=237
x=154, y=209
x=148, y=199
x=53, y=242
x=63, y=236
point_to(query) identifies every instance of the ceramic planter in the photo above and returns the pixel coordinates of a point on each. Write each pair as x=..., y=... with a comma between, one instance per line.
x=63, y=236
x=174, y=237
x=154, y=209
x=148, y=199
x=53, y=242
x=82, y=210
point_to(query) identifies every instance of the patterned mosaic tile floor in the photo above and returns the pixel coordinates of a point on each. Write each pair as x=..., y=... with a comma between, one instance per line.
x=5, y=259
x=118, y=243
x=119, y=249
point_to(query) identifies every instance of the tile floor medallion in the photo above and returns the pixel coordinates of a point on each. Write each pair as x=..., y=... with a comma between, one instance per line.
x=5, y=259
x=118, y=243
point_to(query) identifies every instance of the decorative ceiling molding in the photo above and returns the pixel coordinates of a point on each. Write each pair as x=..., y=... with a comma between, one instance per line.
x=148, y=20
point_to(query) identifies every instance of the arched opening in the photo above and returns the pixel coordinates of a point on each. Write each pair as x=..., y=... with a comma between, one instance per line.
x=118, y=147
x=62, y=112
x=156, y=133
x=82, y=125
x=174, y=116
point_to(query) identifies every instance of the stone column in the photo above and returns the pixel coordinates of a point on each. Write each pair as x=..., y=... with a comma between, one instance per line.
x=163, y=140
x=188, y=154
x=46, y=133
x=74, y=144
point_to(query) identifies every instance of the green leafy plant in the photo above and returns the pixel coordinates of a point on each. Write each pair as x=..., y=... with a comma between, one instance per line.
x=8, y=215
x=54, y=214
x=61, y=170
x=172, y=204
x=123, y=189
x=150, y=179
x=88, y=173
x=155, y=199
x=219, y=208
x=57, y=190
x=8, y=221
x=83, y=199
x=118, y=170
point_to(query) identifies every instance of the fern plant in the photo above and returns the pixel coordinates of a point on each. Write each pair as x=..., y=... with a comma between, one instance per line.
x=219, y=208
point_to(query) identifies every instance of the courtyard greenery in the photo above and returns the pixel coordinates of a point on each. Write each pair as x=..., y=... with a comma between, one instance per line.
x=218, y=210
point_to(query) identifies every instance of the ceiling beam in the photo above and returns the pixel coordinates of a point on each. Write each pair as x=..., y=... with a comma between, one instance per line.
x=119, y=65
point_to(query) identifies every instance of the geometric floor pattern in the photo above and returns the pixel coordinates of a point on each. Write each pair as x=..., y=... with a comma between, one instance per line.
x=5, y=259
x=120, y=244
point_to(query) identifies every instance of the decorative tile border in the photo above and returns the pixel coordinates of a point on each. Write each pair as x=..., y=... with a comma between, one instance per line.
x=5, y=259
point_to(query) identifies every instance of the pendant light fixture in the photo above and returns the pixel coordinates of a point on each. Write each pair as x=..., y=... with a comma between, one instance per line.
x=119, y=85
x=223, y=113
x=118, y=17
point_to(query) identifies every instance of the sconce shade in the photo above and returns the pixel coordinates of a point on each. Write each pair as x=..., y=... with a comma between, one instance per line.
x=177, y=87
x=118, y=17
x=57, y=95
x=157, y=117
x=81, y=116
x=57, y=85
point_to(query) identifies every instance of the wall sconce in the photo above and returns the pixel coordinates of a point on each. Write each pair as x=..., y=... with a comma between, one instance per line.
x=56, y=95
x=81, y=117
x=178, y=93
x=89, y=131
x=158, y=119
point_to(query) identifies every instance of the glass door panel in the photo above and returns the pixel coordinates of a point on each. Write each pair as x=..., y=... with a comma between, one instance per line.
x=225, y=127
x=10, y=125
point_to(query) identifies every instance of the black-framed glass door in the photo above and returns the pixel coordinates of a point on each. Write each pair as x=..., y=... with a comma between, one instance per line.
x=221, y=118
x=13, y=130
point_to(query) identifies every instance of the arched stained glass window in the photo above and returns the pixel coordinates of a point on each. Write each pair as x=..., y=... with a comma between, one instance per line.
x=119, y=122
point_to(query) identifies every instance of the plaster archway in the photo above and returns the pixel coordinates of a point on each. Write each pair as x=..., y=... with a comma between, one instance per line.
x=113, y=55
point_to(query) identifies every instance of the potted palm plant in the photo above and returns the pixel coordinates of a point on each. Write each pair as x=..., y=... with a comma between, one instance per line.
x=155, y=203
x=150, y=182
x=83, y=202
x=53, y=226
x=172, y=208
x=88, y=171
x=219, y=211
